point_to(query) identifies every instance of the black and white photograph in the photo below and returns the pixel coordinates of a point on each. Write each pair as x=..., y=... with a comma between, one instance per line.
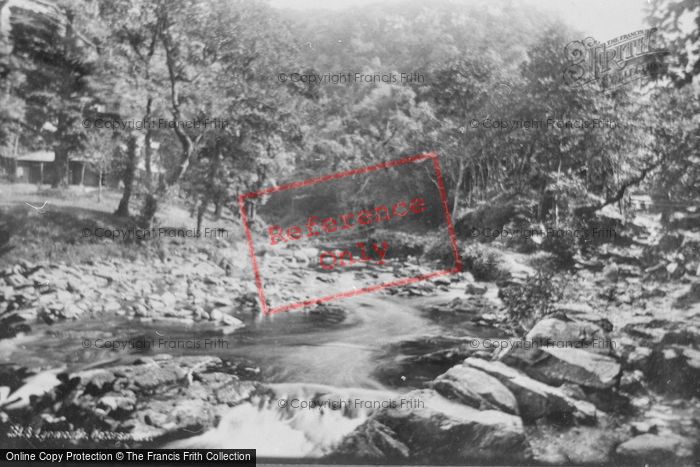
x=350, y=232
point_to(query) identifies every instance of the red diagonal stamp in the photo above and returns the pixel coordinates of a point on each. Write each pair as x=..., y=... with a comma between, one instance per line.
x=331, y=243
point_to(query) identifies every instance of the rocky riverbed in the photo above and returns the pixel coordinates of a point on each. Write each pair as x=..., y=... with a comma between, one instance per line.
x=618, y=380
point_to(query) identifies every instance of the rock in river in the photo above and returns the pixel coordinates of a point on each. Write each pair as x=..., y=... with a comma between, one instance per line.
x=535, y=399
x=190, y=393
x=475, y=388
x=554, y=365
x=437, y=431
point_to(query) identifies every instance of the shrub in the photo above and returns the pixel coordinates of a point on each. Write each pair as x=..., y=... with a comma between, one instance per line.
x=563, y=247
x=440, y=250
x=402, y=244
x=576, y=237
x=483, y=262
x=495, y=213
x=534, y=299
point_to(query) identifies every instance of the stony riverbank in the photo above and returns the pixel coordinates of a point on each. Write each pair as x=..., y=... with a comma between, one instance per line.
x=624, y=386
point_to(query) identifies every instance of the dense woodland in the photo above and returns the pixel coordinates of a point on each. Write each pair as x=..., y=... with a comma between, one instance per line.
x=71, y=60
x=543, y=350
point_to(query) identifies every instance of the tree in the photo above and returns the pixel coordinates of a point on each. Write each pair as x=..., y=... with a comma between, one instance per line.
x=675, y=126
x=100, y=151
x=565, y=164
x=218, y=57
x=676, y=138
x=131, y=77
x=462, y=93
x=55, y=60
x=678, y=24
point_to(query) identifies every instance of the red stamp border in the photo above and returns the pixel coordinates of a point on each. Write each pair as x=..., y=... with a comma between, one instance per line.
x=313, y=181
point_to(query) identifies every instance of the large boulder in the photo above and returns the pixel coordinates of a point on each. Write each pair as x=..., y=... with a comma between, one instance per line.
x=669, y=357
x=654, y=332
x=656, y=449
x=33, y=387
x=192, y=392
x=476, y=389
x=561, y=330
x=439, y=430
x=372, y=441
x=535, y=399
x=555, y=365
x=675, y=369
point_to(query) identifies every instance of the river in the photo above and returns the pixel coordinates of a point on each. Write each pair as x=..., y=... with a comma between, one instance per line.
x=300, y=356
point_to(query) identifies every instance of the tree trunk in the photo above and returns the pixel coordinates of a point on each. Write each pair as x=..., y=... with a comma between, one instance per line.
x=147, y=147
x=667, y=208
x=60, y=166
x=218, y=208
x=556, y=197
x=82, y=174
x=200, y=212
x=211, y=194
x=99, y=186
x=482, y=171
x=632, y=181
x=188, y=144
x=15, y=151
x=458, y=188
x=471, y=187
x=250, y=207
x=150, y=207
x=128, y=178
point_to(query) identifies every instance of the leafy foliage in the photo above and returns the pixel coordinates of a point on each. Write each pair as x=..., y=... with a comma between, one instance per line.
x=678, y=23
x=534, y=299
x=191, y=60
x=483, y=262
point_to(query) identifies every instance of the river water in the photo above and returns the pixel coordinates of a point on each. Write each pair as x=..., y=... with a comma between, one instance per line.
x=289, y=347
x=299, y=355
